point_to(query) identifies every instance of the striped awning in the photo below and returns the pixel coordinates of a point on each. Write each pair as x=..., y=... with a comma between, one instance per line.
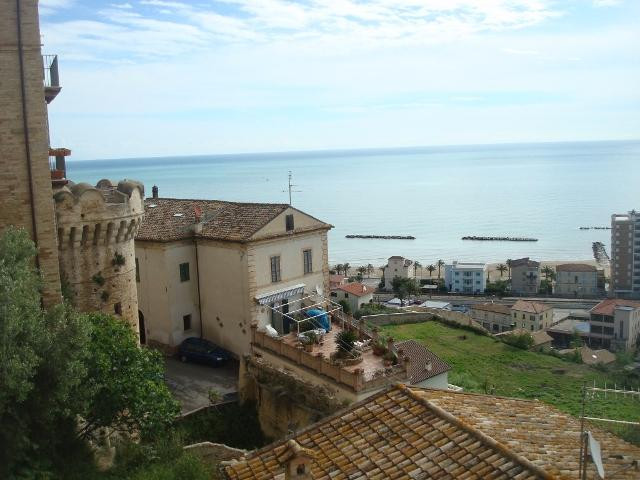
x=277, y=295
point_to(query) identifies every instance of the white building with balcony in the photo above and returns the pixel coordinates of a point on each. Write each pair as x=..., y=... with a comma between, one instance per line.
x=465, y=277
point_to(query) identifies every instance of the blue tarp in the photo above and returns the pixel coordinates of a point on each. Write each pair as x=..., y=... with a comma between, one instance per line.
x=321, y=319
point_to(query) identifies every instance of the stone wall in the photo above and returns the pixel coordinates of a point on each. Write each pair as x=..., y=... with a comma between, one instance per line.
x=96, y=230
x=26, y=201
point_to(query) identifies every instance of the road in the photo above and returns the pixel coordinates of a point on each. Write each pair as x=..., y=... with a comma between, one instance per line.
x=190, y=383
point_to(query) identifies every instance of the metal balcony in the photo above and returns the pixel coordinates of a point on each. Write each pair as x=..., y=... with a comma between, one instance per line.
x=51, y=79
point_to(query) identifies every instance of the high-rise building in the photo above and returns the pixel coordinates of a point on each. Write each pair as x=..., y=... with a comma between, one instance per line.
x=625, y=255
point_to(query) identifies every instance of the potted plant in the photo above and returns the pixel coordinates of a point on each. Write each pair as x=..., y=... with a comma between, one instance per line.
x=379, y=348
x=308, y=339
x=389, y=359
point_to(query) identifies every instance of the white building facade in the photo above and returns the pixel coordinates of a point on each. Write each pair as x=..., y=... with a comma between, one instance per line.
x=576, y=280
x=467, y=278
x=211, y=269
x=398, y=266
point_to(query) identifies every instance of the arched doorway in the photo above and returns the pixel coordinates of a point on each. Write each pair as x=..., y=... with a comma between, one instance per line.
x=141, y=330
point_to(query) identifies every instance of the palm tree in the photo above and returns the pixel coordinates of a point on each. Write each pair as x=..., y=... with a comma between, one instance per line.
x=370, y=269
x=547, y=271
x=509, y=262
x=346, y=268
x=431, y=269
x=440, y=265
x=417, y=265
x=338, y=268
x=362, y=270
x=501, y=268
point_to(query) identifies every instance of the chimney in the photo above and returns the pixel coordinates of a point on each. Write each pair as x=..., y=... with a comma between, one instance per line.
x=297, y=461
x=154, y=191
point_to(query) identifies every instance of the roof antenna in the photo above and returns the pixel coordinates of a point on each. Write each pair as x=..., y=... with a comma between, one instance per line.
x=291, y=185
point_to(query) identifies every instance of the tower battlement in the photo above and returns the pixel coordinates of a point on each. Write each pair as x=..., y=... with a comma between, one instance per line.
x=96, y=227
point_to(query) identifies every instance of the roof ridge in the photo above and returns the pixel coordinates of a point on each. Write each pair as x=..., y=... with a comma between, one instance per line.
x=483, y=437
x=220, y=201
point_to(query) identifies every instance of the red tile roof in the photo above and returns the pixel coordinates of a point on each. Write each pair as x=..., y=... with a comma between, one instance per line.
x=169, y=219
x=607, y=307
x=524, y=262
x=423, y=363
x=492, y=307
x=575, y=267
x=355, y=288
x=406, y=433
x=530, y=307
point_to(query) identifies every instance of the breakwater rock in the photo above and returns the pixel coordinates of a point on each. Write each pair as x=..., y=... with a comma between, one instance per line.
x=384, y=237
x=595, y=228
x=500, y=239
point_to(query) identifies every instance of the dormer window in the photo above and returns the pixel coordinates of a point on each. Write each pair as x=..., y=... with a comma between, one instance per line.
x=289, y=222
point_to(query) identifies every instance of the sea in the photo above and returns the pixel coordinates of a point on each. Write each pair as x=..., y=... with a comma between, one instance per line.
x=436, y=194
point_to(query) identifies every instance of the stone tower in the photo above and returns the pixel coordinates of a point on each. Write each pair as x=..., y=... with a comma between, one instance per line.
x=25, y=179
x=96, y=231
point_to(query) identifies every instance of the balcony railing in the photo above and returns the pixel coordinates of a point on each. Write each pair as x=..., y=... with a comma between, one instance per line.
x=51, y=78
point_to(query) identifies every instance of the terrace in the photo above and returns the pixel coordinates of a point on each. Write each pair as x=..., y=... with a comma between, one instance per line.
x=359, y=369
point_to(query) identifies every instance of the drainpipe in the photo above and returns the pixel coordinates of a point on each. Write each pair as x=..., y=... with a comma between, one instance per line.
x=198, y=282
x=25, y=126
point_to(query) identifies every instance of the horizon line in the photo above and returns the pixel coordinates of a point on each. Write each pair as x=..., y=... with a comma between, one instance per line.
x=351, y=149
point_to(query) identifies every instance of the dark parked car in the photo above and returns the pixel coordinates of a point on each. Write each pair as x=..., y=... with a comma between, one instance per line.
x=202, y=351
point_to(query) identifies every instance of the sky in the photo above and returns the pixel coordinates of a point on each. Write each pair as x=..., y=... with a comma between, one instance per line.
x=162, y=78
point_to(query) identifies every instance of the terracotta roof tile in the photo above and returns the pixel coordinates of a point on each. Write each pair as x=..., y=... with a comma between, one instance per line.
x=547, y=437
x=169, y=219
x=607, y=307
x=492, y=307
x=524, y=262
x=576, y=267
x=530, y=307
x=423, y=363
x=394, y=434
x=355, y=288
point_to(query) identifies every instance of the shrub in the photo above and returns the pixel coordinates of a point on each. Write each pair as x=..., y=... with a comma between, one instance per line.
x=345, y=306
x=98, y=279
x=345, y=341
x=118, y=259
x=519, y=340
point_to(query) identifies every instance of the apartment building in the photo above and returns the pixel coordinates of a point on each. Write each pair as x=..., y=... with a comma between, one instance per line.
x=525, y=276
x=465, y=277
x=398, y=266
x=625, y=255
x=212, y=268
x=531, y=316
x=494, y=317
x=615, y=324
x=576, y=279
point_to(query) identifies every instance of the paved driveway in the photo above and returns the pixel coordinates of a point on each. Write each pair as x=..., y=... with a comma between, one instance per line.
x=190, y=383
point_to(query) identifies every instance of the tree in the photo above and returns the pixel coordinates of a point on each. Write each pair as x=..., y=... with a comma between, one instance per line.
x=41, y=363
x=440, y=265
x=417, y=265
x=547, y=271
x=404, y=287
x=346, y=267
x=128, y=393
x=338, y=268
x=509, y=262
x=60, y=370
x=431, y=269
x=370, y=269
x=361, y=271
x=345, y=306
x=501, y=268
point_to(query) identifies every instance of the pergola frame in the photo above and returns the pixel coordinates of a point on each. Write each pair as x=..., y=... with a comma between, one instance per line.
x=325, y=301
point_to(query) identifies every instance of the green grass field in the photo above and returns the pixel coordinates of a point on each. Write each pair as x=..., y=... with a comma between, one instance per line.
x=483, y=364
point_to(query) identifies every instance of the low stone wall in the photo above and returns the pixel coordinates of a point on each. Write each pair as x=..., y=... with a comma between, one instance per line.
x=424, y=315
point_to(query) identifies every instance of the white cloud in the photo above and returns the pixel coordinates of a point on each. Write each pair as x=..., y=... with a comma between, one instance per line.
x=515, y=51
x=606, y=3
x=49, y=7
